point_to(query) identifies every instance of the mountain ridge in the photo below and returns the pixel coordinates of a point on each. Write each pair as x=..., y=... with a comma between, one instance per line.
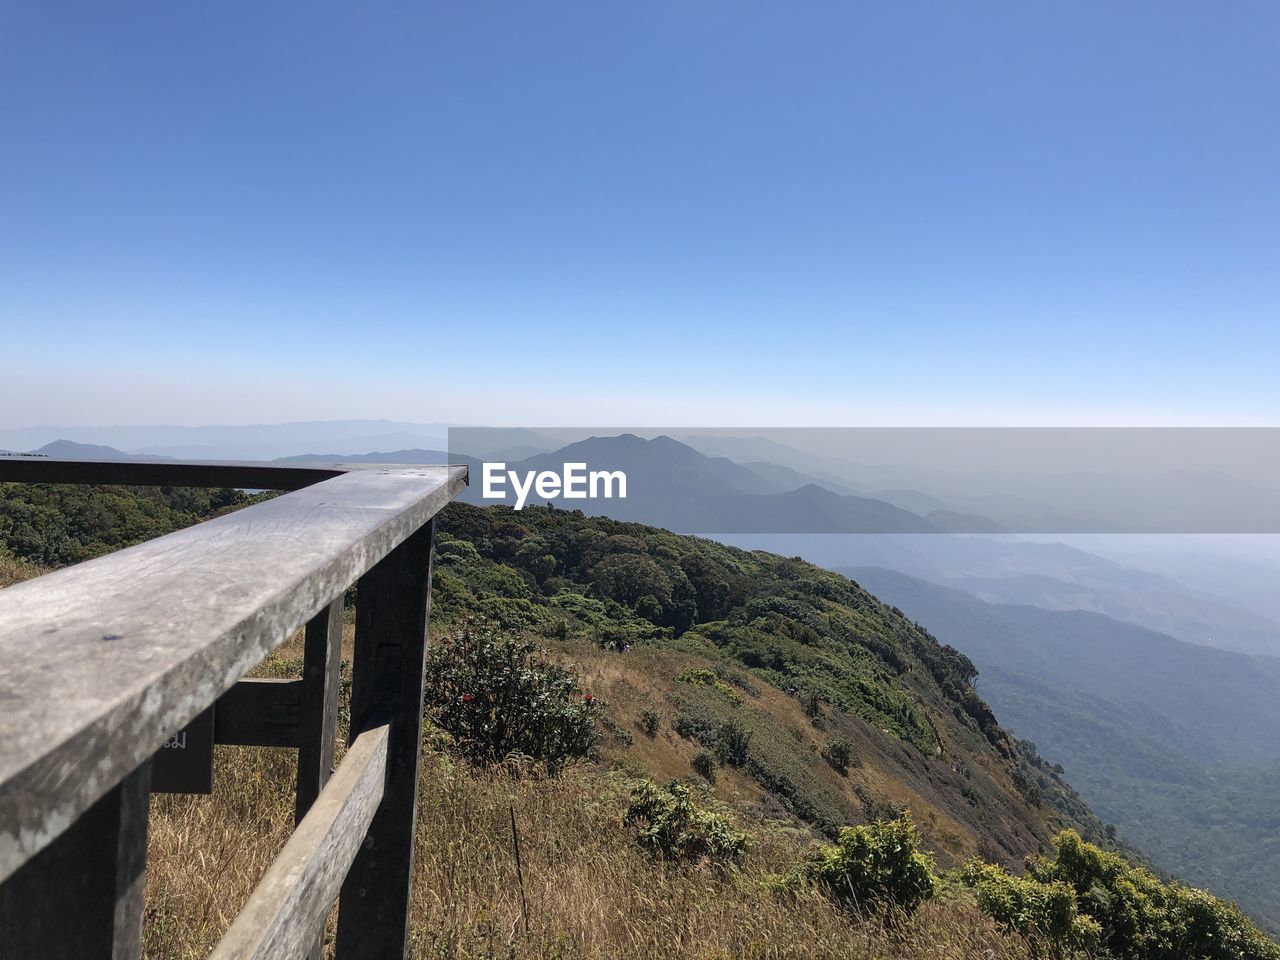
x=1157, y=733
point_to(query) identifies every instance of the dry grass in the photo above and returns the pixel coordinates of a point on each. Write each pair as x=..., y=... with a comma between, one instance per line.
x=592, y=893
x=205, y=854
x=13, y=570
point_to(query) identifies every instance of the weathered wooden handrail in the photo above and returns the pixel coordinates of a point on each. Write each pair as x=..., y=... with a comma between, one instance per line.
x=289, y=904
x=102, y=662
x=144, y=473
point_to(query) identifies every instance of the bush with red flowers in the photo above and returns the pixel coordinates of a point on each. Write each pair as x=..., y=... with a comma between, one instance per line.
x=498, y=698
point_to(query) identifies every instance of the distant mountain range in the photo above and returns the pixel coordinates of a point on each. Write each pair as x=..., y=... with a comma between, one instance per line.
x=672, y=485
x=415, y=455
x=1053, y=576
x=677, y=485
x=1082, y=481
x=239, y=442
x=1166, y=739
x=70, y=450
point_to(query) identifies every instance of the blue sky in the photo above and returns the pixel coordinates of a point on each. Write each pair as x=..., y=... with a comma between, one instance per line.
x=685, y=212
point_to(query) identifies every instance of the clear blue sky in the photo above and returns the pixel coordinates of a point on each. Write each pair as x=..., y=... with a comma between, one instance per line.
x=683, y=212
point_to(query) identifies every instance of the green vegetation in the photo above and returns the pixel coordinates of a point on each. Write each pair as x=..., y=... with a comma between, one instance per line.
x=873, y=867
x=704, y=677
x=1173, y=743
x=705, y=763
x=59, y=524
x=499, y=700
x=790, y=623
x=839, y=753
x=857, y=669
x=650, y=720
x=672, y=826
x=1046, y=914
x=1083, y=901
x=1144, y=918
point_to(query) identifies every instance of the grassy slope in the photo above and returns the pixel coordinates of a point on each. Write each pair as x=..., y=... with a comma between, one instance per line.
x=592, y=893
x=795, y=634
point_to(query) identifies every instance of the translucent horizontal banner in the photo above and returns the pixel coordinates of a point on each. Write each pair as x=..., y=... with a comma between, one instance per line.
x=887, y=480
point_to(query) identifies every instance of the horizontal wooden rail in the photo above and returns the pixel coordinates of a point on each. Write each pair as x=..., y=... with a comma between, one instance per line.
x=287, y=910
x=252, y=476
x=100, y=663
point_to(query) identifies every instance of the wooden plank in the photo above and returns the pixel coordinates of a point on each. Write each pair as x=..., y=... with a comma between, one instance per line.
x=100, y=663
x=259, y=713
x=321, y=666
x=252, y=476
x=287, y=909
x=321, y=678
x=184, y=764
x=80, y=898
x=393, y=606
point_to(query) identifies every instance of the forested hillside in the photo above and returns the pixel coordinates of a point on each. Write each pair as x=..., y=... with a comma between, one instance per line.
x=683, y=728
x=58, y=524
x=854, y=669
x=1175, y=743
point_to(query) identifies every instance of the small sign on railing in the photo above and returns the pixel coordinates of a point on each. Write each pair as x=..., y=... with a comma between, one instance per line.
x=184, y=764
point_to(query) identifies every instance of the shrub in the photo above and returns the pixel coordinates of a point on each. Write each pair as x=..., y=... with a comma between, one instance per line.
x=650, y=720
x=813, y=708
x=737, y=679
x=878, y=809
x=732, y=743
x=673, y=827
x=1030, y=792
x=498, y=698
x=694, y=727
x=839, y=753
x=874, y=867
x=1045, y=914
x=620, y=735
x=704, y=762
x=1142, y=918
x=709, y=678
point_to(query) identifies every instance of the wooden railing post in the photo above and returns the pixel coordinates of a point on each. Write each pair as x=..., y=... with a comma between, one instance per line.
x=393, y=605
x=80, y=898
x=318, y=729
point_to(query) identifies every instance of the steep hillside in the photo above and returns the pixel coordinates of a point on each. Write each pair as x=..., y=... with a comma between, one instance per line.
x=790, y=701
x=1173, y=742
x=797, y=657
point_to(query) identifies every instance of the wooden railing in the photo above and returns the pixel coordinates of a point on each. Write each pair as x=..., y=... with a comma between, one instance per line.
x=101, y=664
